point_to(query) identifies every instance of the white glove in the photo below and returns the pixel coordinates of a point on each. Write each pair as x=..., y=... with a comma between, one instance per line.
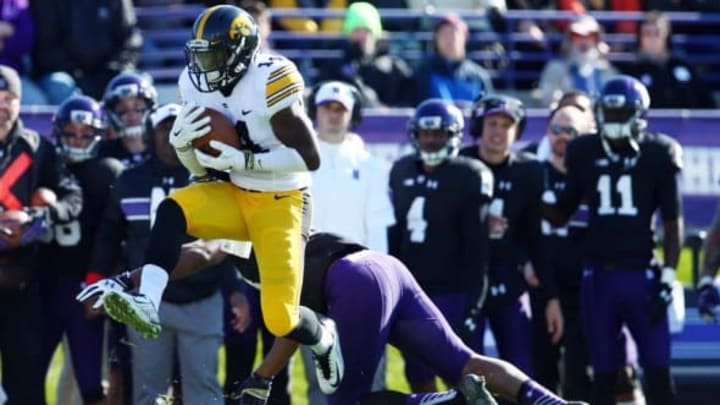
x=101, y=287
x=230, y=158
x=187, y=127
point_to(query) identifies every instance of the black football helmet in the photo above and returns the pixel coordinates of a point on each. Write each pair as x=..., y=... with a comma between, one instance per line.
x=224, y=42
x=622, y=108
x=81, y=110
x=436, y=113
x=129, y=84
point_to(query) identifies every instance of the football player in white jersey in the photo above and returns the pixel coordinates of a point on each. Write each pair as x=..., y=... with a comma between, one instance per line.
x=265, y=200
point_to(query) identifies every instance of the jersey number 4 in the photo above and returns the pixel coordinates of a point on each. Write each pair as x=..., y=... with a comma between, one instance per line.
x=623, y=186
x=416, y=223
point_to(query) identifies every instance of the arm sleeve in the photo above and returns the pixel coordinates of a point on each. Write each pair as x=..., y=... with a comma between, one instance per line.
x=379, y=213
x=476, y=240
x=394, y=231
x=109, y=237
x=54, y=175
x=538, y=252
x=668, y=190
x=570, y=198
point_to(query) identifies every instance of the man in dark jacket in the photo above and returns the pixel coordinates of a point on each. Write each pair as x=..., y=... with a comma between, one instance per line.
x=27, y=162
x=89, y=40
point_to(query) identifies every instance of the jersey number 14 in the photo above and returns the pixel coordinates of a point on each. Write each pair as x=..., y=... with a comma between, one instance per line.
x=623, y=186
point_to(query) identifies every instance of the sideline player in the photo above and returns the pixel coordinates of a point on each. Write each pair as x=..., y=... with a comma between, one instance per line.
x=625, y=174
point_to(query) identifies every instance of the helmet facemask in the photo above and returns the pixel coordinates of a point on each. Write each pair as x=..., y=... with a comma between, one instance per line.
x=619, y=120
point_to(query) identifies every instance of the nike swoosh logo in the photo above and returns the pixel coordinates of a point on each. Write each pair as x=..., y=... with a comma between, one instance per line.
x=246, y=112
x=176, y=133
x=280, y=197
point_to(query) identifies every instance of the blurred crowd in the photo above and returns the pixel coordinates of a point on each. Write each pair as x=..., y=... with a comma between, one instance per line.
x=62, y=48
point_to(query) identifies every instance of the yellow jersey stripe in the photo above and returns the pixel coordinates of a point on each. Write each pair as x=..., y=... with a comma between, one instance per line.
x=285, y=93
x=277, y=73
x=278, y=85
x=203, y=21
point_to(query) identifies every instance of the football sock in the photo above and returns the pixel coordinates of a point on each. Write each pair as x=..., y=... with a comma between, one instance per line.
x=308, y=331
x=326, y=341
x=532, y=393
x=153, y=280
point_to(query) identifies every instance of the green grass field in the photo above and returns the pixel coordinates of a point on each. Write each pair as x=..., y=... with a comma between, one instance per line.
x=395, y=378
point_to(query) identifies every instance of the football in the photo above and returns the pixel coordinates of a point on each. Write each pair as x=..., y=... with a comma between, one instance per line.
x=42, y=197
x=221, y=129
x=12, y=226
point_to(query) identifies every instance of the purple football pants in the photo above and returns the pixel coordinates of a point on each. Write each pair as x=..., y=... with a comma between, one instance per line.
x=374, y=300
x=611, y=298
x=85, y=337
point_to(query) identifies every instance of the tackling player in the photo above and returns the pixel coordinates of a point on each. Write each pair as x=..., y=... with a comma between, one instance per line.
x=266, y=200
x=440, y=201
x=624, y=175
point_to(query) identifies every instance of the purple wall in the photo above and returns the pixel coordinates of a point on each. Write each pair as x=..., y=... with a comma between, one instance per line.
x=696, y=131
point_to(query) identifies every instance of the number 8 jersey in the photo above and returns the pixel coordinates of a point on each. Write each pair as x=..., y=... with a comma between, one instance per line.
x=270, y=84
x=622, y=193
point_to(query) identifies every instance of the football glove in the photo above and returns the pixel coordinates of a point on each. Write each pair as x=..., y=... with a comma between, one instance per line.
x=255, y=390
x=121, y=282
x=38, y=227
x=187, y=127
x=708, y=299
x=230, y=158
x=661, y=295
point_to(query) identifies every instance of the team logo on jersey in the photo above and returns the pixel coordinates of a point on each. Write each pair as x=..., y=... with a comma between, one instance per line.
x=601, y=162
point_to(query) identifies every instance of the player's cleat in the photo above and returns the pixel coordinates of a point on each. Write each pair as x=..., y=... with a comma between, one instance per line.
x=135, y=310
x=329, y=366
x=472, y=387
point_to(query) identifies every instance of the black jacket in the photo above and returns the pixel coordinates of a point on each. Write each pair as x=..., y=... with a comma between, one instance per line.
x=27, y=162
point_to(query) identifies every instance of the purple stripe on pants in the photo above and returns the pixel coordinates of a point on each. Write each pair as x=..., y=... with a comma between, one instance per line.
x=374, y=300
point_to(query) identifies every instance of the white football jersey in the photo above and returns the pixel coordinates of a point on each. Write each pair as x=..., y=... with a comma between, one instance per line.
x=270, y=84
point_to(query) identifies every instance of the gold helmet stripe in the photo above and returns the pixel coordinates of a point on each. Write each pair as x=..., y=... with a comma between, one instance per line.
x=203, y=20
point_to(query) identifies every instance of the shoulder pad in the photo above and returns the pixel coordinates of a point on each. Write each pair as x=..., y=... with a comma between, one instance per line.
x=283, y=80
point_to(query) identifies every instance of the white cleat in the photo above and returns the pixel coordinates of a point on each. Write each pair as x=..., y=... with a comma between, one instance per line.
x=472, y=388
x=135, y=310
x=329, y=366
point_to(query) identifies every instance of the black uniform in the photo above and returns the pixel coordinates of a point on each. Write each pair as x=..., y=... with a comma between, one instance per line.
x=622, y=195
x=518, y=186
x=114, y=148
x=27, y=161
x=441, y=235
x=66, y=259
x=619, y=273
x=438, y=234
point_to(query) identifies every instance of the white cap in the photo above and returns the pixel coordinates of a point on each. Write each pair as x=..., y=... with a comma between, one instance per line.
x=170, y=110
x=336, y=91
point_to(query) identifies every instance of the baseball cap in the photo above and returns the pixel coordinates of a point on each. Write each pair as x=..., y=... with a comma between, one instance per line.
x=10, y=80
x=335, y=91
x=507, y=107
x=585, y=26
x=170, y=110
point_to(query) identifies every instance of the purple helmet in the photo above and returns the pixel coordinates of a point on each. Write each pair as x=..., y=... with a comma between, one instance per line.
x=129, y=85
x=622, y=107
x=439, y=114
x=82, y=110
